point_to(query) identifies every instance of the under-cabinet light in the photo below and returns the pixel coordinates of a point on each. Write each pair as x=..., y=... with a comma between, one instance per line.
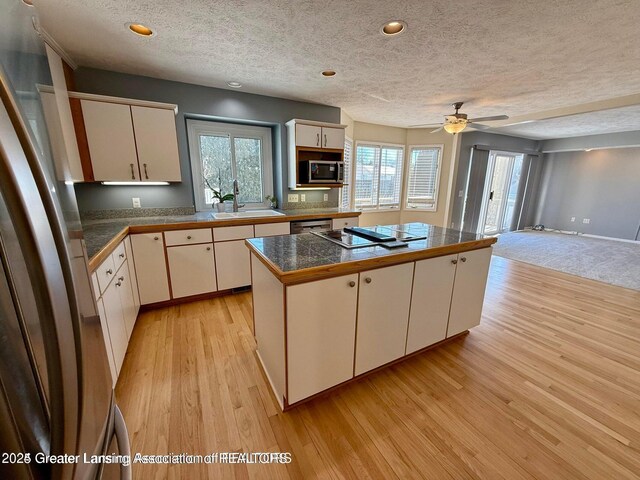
x=136, y=184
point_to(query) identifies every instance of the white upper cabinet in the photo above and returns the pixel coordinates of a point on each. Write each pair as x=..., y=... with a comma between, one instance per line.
x=332, y=138
x=112, y=145
x=308, y=135
x=156, y=140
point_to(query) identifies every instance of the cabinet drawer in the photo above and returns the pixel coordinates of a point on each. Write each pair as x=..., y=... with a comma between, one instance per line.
x=222, y=234
x=105, y=273
x=272, y=229
x=188, y=237
x=119, y=255
x=338, y=223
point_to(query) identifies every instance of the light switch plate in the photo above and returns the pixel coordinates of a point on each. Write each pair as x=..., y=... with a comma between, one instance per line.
x=303, y=197
x=326, y=197
x=292, y=198
x=136, y=202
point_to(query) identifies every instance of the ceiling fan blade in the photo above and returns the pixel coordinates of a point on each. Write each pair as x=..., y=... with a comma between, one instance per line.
x=437, y=129
x=488, y=119
x=478, y=126
x=426, y=125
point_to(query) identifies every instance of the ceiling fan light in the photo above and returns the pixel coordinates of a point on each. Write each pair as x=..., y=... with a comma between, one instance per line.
x=454, y=128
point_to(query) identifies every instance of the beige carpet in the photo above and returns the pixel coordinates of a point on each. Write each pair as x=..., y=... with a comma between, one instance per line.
x=609, y=261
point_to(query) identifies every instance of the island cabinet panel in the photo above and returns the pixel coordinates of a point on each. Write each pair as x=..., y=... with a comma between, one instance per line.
x=468, y=291
x=151, y=268
x=268, y=326
x=192, y=269
x=233, y=264
x=430, y=301
x=321, y=329
x=383, y=316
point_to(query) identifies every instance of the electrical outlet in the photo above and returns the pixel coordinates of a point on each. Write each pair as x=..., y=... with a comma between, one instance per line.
x=292, y=198
x=136, y=202
x=303, y=197
x=326, y=197
x=586, y=220
x=573, y=219
x=460, y=193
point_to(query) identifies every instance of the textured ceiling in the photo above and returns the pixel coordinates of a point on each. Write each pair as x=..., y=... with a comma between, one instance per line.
x=499, y=56
x=606, y=121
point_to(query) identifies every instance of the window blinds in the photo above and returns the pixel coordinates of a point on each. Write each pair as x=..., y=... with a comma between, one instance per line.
x=422, y=181
x=378, y=176
x=345, y=192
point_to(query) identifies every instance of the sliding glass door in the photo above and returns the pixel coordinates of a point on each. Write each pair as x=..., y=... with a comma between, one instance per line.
x=500, y=192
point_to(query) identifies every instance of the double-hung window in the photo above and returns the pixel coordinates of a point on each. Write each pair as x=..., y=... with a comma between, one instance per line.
x=423, y=175
x=378, y=176
x=222, y=152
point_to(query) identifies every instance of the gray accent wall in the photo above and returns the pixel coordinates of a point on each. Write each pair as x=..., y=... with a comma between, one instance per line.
x=601, y=185
x=491, y=142
x=196, y=101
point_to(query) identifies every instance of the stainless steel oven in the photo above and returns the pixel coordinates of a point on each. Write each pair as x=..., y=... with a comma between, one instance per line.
x=321, y=171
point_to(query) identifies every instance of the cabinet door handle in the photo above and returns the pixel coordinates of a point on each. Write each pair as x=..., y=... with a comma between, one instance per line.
x=188, y=237
x=118, y=284
x=121, y=255
x=325, y=139
x=109, y=272
x=352, y=284
x=463, y=259
x=133, y=175
x=454, y=261
x=318, y=140
x=367, y=280
x=155, y=238
x=146, y=175
x=121, y=279
x=208, y=249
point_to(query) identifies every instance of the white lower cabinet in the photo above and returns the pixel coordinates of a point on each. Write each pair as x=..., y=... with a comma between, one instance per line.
x=383, y=315
x=192, y=269
x=115, y=321
x=127, y=303
x=430, y=301
x=132, y=272
x=233, y=264
x=151, y=269
x=320, y=335
x=468, y=291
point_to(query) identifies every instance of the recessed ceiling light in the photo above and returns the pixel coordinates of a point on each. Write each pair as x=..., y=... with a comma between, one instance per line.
x=395, y=27
x=140, y=29
x=329, y=73
x=29, y=3
x=234, y=84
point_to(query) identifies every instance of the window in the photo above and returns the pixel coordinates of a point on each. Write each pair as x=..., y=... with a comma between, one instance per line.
x=345, y=191
x=378, y=176
x=423, y=177
x=221, y=152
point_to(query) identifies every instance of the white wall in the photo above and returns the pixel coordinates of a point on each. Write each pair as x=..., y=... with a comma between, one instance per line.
x=369, y=132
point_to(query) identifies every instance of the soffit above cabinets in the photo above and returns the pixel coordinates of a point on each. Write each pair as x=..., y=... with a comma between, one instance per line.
x=517, y=57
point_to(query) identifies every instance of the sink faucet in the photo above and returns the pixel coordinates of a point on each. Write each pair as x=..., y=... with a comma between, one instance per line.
x=236, y=192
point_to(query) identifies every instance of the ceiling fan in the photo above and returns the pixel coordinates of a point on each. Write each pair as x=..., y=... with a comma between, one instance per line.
x=457, y=122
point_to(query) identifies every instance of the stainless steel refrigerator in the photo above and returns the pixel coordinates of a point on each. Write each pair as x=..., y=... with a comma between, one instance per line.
x=56, y=394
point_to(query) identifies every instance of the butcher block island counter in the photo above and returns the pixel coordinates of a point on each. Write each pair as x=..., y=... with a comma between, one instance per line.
x=325, y=315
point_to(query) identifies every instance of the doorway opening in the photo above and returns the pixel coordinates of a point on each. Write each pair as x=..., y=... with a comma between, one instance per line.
x=500, y=192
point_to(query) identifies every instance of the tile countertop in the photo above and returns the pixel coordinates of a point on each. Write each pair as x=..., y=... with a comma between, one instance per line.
x=99, y=233
x=297, y=258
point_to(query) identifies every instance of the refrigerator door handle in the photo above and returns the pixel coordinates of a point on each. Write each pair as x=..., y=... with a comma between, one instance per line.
x=122, y=437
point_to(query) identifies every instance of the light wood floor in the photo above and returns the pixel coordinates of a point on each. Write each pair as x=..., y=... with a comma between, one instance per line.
x=548, y=387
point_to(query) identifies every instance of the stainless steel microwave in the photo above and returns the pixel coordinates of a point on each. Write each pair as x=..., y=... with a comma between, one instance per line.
x=321, y=171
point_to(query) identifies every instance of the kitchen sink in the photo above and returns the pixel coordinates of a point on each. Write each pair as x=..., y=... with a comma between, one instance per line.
x=246, y=214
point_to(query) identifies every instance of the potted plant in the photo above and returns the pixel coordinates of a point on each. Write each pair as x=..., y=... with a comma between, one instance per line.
x=273, y=201
x=218, y=194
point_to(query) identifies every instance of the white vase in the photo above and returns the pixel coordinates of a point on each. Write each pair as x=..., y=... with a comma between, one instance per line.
x=220, y=206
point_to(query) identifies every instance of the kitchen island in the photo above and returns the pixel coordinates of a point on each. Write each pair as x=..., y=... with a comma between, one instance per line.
x=325, y=315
